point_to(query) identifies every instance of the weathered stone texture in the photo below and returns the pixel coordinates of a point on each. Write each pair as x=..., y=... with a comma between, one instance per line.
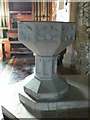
x=82, y=46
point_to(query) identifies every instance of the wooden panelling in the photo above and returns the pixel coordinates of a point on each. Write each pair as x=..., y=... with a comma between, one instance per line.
x=7, y=49
x=73, y=11
x=43, y=11
x=51, y=11
x=1, y=51
x=24, y=17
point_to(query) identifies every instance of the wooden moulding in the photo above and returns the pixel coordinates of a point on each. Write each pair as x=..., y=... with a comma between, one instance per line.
x=17, y=52
x=12, y=33
x=9, y=42
x=3, y=28
x=38, y=11
x=24, y=17
x=1, y=52
x=41, y=11
x=7, y=48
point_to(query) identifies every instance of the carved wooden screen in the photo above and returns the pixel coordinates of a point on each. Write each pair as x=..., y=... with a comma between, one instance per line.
x=43, y=11
x=3, y=13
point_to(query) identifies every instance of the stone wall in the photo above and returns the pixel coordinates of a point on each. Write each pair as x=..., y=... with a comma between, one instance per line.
x=82, y=46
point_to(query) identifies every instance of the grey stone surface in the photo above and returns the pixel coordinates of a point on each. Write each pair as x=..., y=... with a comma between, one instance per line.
x=47, y=90
x=68, y=59
x=46, y=40
x=82, y=44
x=71, y=101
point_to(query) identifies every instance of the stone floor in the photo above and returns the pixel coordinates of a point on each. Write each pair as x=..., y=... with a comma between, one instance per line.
x=19, y=67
